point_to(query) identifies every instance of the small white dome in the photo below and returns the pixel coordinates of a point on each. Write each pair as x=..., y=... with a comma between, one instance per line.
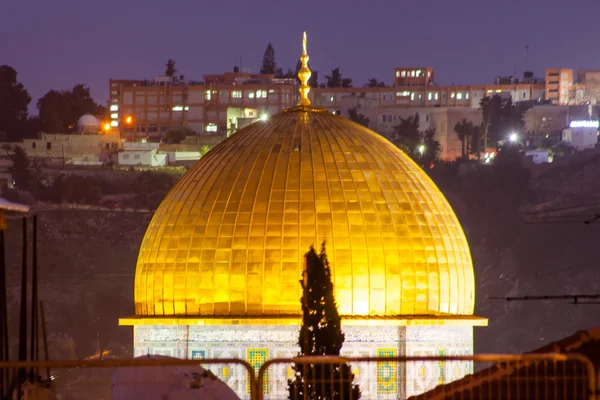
x=88, y=124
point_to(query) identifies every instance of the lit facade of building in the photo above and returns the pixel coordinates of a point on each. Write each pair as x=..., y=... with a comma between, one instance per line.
x=559, y=84
x=218, y=269
x=221, y=104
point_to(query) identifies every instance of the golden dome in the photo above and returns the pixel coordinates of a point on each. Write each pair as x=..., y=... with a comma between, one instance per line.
x=230, y=237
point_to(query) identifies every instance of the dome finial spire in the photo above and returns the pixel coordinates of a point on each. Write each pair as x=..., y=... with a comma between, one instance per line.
x=304, y=75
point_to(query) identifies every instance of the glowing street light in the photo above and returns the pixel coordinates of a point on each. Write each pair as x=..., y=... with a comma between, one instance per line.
x=106, y=127
x=421, y=149
x=264, y=117
x=513, y=137
x=128, y=120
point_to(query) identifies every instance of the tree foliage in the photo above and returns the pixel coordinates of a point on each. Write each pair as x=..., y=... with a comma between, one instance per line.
x=14, y=100
x=373, y=82
x=178, y=135
x=419, y=145
x=320, y=335
x=170, y=69
x=59, y=111
x=269, y=66
x=357, y=117
x=470, y=138
x=20, y=168
x=335, y=80
x=501, y=117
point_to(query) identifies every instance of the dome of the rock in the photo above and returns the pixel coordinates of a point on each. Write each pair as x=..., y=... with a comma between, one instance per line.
x=230, y=237
x=219, y=269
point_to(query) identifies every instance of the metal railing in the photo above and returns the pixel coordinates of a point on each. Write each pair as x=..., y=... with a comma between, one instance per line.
x=134, y=379
x=529, y=376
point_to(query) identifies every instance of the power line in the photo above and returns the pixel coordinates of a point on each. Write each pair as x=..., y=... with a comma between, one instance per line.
x=538, y=275
x=563, y=208
x=575, y=298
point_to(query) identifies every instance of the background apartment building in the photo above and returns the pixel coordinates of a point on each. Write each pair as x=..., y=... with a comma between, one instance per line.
x=145, y=110
x=559, y=85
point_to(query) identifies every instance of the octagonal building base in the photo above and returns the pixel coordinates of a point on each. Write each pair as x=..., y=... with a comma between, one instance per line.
x=258, y=342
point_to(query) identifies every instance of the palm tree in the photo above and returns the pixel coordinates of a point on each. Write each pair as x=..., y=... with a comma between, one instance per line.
x=465, y=130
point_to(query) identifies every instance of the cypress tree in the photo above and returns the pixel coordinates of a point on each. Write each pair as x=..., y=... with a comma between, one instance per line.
x=268, y=65
x=320, y=335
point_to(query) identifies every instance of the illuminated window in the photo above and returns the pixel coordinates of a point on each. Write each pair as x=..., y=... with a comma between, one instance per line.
x=459, y=96
x=412, y=74
x=208, y=95
x=261, y=94
x=403, y=74
x=452, y=95
x=467, y=96
x=412, y=96
x=271, y=90
x=114, y=123
x=114, y=107
x=418, y=73
x=114, y=115
x=428, y=74
x=429, y=96
x=211, y=127
x=398, y=74
x=251, y=95
x=437, y=95
x=331, y=99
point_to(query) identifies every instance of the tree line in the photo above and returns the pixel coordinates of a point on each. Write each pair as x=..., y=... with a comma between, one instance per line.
x=334, y=80
x=59, y=110
x=501, y=117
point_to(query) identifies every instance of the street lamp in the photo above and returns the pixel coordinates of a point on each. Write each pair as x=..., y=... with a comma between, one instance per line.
x=128, y=120
x=106, y=127
x=421, y=149
x=513, y=137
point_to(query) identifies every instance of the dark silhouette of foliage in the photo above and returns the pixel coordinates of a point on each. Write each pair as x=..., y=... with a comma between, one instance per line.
x=21, y=168
x=419, y=145
x=320, y=335
x=465, y=130
x=170, y=69
x=406, y=134
x=357, y=117
x=14, y=100
x=335, y=80
x=59, y=111
x=269, y=66
x=373, y=82
x=431, y=150
x=501, y=117
x=178, y=135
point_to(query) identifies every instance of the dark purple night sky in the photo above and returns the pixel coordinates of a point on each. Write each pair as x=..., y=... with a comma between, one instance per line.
x=56, y=44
